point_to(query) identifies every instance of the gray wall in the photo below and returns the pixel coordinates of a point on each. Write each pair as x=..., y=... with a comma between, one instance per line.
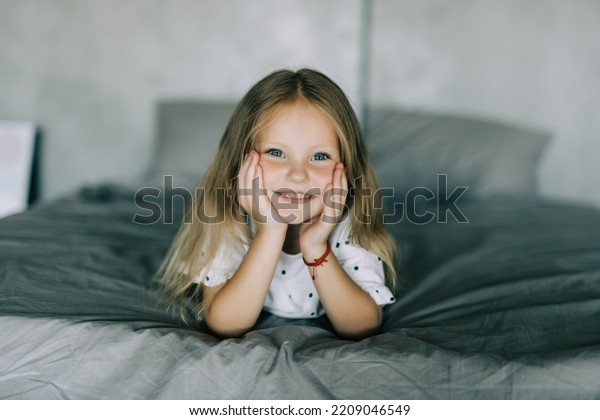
x=90, y=72
x=535, y=62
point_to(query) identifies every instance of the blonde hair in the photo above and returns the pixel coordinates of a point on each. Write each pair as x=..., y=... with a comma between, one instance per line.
x=196, y=243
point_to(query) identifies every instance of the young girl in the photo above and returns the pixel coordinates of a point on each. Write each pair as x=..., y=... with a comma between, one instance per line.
x=288, y=238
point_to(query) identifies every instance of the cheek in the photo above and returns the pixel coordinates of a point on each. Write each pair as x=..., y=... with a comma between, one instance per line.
x=323, y=176
x=270, y=172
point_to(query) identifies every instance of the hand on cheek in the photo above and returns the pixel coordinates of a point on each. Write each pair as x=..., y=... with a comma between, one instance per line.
x=254, y=197
x=316, y=233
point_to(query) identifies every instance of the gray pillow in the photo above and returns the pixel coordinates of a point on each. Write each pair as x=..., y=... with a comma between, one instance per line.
x=188, y=134
x=409, y=149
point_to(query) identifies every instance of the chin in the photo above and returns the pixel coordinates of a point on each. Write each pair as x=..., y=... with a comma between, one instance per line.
x=296, y=218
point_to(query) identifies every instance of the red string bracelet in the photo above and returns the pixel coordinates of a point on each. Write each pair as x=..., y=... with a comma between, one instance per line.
x=318, y=261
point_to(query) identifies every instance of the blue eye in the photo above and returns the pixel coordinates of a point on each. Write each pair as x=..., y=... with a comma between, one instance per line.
x=274, y=152
x=321, y=156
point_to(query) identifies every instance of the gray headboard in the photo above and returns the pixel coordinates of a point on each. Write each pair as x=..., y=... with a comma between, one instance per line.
x=408, y=149
x=187, y=135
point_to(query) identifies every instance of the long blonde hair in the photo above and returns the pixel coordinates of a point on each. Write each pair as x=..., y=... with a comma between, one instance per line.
x=196, y=243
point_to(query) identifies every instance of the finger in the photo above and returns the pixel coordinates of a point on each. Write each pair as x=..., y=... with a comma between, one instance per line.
x=251, y=173
x=340, y=188
x=258, y=176
x=337, y=177
x=245, y=183
x=329, y=214
x=242, y=174
x=343, y=185
x=267, y=193
x=338, y=183
x=264, y=197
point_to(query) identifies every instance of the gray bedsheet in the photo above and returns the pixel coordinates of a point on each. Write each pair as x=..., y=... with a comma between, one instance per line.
x=505, y=306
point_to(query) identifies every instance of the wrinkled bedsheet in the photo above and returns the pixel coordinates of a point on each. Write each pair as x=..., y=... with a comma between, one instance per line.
x=505, y=306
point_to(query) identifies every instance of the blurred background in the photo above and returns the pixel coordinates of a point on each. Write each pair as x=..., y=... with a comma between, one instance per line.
x=90, y=73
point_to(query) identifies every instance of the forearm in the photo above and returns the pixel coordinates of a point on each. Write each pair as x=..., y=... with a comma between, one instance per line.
x=353, y=313
x=234, y=308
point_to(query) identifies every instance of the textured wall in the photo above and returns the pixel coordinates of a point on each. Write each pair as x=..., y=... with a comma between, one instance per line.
x=90, y=72
x=535, y=62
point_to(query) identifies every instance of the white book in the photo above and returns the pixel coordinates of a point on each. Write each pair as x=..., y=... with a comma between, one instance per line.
x=17, y=140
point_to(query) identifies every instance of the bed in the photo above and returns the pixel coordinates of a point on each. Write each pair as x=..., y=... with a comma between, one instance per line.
x=502, y=302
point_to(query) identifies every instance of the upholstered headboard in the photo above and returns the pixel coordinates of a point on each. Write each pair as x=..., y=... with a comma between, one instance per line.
x=408, y=149
x=187, y=135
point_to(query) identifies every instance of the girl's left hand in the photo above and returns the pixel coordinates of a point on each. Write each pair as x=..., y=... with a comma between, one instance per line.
x=314, y=235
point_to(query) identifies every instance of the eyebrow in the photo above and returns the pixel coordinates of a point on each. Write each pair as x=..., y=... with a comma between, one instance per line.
x=275, y=143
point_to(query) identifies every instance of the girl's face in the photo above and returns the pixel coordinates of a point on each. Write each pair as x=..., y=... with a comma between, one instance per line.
x=298, y=153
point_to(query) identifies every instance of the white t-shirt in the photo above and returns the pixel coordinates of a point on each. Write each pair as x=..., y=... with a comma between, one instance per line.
x=292, y=293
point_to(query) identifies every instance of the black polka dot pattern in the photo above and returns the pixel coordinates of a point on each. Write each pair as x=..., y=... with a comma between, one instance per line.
x=298, y=296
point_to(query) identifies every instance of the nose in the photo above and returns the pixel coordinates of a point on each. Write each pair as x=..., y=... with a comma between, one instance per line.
x=297, y=172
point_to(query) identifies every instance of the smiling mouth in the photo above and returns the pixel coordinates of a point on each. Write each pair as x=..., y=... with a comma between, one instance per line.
x=293, y=197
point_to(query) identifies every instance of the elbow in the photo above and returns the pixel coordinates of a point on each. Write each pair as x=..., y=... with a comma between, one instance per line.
x=224, y=327
x=228, y=332
x=367, y=326
x=359, y=334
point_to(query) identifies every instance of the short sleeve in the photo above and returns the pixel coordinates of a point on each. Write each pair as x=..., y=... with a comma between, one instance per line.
x=222, y=268
x=363, y=266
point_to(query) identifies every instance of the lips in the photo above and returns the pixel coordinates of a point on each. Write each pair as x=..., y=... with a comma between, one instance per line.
x=291, y=196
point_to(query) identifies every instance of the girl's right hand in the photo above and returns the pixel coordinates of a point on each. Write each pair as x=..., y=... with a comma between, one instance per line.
x=254, y=198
